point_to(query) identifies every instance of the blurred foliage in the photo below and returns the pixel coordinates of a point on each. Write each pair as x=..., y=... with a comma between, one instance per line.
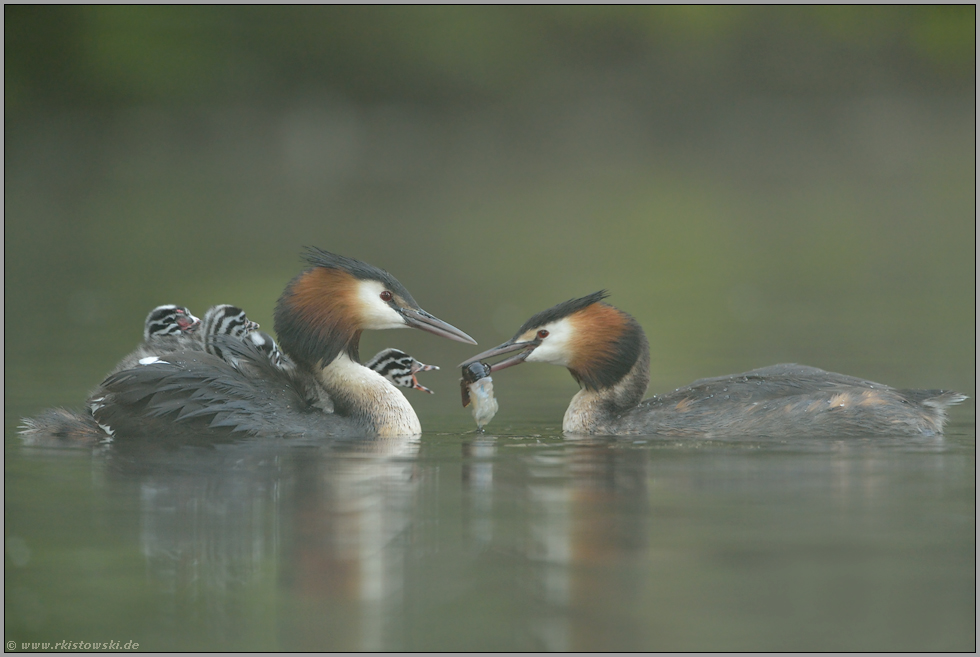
x=98, y=55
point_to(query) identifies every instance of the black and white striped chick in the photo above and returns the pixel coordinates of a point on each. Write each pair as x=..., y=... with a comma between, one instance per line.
x=221, y=323
x=264, y=343
x=167, y=328
x=319, y=319
x=399, y=368
x=607, y=353
x=225, y=319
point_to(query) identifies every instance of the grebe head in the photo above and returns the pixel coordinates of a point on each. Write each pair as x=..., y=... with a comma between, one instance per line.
x=169, y=319
x=323, y=310
x=598, y=344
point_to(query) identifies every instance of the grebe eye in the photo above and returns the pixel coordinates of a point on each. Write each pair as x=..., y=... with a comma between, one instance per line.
x=386, y=296
x=542, y=334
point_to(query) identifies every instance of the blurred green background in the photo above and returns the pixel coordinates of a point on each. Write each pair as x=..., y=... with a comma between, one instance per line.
x=755, y=184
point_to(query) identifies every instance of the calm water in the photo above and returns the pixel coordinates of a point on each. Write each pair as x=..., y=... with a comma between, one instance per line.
x=522, y=540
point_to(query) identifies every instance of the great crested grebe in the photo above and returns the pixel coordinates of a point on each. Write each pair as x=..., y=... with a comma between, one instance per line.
x=607, y=353
x=319, y=319
x=227, y=320
x=167, y=328
x=224, y=319
x=170, y=328
x=399, y=368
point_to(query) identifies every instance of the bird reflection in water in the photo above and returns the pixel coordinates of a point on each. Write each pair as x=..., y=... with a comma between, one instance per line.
x=324, y=524
x=501, y=542
x=349, y=523
x=573, y=529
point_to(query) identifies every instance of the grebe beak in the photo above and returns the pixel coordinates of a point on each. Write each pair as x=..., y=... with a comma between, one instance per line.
x=418, y=318
x=525, y=349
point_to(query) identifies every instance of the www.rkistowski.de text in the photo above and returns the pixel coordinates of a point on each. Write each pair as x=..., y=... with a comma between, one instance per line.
x=72, y=645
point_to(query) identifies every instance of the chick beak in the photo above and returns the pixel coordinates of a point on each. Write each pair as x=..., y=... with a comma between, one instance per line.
x=188, y=323
x=421, y=367
x=524, y=349
x=418, y=386
x=418, y=318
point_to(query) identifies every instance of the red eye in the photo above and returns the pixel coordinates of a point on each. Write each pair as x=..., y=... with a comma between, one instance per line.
x=542, y=334
x=386, y=296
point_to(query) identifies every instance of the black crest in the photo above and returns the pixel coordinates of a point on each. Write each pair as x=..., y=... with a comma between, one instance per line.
x=357, y=269
x=563, y=309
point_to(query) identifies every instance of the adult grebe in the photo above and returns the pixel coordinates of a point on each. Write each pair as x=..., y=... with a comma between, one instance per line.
x=319, y=319
x=607, y=353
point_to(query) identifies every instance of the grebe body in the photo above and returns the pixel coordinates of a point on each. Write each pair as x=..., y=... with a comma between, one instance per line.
x=607, y=353
x=318, y=319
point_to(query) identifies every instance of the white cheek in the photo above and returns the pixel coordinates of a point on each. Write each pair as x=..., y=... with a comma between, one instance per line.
x=375, y=313
x=555, y=349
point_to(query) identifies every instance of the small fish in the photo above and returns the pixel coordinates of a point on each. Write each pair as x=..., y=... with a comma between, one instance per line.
x=476, y=387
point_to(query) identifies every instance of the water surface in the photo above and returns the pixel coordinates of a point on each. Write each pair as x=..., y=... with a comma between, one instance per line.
x=519, y=540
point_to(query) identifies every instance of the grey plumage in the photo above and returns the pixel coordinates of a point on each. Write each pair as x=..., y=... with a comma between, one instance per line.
x=790, y=400
x=194, y=391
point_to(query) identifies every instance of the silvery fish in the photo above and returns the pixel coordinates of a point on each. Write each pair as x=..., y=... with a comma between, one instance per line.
x=476, y=387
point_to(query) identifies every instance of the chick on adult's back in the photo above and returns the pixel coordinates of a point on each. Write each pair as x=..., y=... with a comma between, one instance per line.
x=319, y=319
